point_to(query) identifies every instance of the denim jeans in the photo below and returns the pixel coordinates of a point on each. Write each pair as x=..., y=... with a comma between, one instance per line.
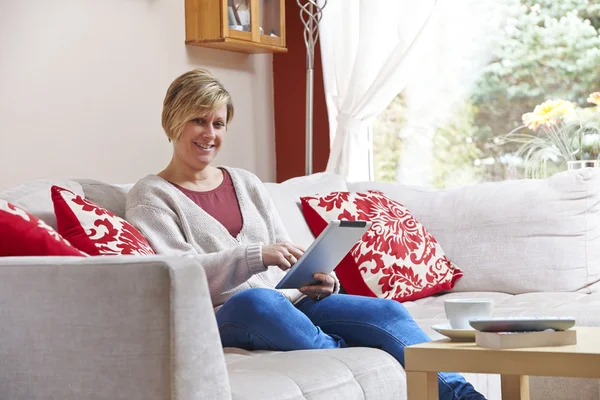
x=263, y=319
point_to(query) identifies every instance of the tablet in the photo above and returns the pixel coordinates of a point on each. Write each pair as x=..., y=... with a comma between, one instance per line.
x=325, y=253
x=521, y=324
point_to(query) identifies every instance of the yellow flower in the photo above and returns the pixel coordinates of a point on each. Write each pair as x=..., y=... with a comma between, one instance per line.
x=549, y=113
x=532, y=121
x=594, y=98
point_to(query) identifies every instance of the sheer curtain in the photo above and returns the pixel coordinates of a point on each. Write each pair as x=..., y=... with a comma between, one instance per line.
x=370, y=51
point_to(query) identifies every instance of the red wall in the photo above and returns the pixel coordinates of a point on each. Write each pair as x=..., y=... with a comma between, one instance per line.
x=289, y=80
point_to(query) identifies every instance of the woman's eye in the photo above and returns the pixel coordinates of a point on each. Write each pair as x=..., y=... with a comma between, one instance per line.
x=199, y=121
x=219, y=125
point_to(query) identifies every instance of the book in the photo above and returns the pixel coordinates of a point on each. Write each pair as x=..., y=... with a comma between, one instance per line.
x=516, y=340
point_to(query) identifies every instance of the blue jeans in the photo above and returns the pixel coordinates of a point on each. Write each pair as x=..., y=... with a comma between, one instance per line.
x=263, y=319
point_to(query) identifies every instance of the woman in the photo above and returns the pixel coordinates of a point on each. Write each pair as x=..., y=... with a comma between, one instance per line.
x=225, y=217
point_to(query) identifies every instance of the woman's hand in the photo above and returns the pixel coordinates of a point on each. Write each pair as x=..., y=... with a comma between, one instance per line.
x=284, y=255
x=319, y=291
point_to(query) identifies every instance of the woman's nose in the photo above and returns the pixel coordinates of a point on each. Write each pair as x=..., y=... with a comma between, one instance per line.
x=209, y=132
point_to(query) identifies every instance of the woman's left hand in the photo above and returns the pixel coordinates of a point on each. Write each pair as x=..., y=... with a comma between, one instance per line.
x=319, y=291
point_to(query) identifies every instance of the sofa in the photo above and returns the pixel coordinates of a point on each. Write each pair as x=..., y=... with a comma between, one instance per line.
x=143, y=327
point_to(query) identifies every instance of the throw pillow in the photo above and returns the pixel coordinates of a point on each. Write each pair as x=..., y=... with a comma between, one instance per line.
x=22, y=234
x=397, y=258
x=94, y=229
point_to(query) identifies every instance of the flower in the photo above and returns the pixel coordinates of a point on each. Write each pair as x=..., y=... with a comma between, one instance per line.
x=594, y=98
x=549, y=113
x=562, y=133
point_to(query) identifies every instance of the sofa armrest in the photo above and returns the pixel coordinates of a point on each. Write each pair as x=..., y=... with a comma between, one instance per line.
x=123, y=327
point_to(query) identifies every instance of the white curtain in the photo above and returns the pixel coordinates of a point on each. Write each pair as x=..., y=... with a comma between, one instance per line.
x=371, y=50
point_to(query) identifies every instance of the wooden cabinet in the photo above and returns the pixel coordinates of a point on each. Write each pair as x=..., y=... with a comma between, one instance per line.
x=247, y=26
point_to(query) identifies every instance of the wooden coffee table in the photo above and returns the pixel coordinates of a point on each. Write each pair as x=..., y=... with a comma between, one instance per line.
x=424, y=361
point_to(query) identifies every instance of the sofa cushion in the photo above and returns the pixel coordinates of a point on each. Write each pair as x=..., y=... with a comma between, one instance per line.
x=332, y=374
x=109, y=196
x=396, y=259
x=286, y=196
x=34, y=197
x=22, y=234
x=514, y=236
x=94, y=229
x=585, y=308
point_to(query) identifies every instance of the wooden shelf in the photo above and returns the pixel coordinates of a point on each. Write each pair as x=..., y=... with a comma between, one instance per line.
x=208, y=24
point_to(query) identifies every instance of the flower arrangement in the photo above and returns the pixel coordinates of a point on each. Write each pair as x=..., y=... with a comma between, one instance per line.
x=558, y=131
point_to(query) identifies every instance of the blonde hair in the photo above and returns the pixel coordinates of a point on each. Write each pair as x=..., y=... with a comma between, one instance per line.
x=194, y=94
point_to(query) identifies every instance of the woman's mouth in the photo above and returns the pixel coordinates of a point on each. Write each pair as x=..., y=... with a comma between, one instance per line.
x=205, y=147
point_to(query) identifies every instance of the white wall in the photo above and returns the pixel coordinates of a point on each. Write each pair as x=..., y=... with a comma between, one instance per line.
x=82, y=84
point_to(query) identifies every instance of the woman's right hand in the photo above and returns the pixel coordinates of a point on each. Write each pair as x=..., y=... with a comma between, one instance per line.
x=284, y=255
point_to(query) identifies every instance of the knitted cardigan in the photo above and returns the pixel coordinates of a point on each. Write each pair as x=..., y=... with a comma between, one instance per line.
x=175, y=225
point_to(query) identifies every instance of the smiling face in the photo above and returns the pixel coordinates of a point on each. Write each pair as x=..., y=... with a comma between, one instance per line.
x=201, y=139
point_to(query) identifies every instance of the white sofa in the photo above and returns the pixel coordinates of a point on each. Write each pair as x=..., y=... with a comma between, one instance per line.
x=143, y=328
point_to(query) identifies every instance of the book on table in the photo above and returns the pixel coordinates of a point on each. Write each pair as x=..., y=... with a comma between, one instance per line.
x=516, y=340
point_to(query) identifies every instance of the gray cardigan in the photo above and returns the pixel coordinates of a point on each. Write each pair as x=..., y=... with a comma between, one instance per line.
x=174, y=224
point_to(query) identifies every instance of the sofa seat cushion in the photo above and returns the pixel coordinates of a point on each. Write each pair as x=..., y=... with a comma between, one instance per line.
x=344, y=374
x=585, y=308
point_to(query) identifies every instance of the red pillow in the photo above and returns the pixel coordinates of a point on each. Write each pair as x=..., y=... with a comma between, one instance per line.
x=397, y=258
x=22, y=234
x=94, y=229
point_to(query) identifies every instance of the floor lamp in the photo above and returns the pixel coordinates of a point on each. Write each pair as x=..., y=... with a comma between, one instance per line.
x=310, y=14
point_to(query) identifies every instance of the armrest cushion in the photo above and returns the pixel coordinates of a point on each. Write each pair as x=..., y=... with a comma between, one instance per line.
x=123, y=327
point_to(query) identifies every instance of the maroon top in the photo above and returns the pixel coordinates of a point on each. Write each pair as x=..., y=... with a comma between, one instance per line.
x=221, y=203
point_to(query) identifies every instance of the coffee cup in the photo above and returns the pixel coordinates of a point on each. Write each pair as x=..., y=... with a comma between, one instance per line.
x=460, y=311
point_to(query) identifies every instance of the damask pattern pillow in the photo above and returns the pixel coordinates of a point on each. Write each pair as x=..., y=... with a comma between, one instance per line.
x=94, y=229
x=22, y=234
x=397, y=258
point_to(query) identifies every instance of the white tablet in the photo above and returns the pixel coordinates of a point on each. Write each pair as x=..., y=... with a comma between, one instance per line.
x=325, y=253
x=521, y=324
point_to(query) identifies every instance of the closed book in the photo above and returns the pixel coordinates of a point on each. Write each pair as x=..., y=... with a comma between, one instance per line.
x=516, y=340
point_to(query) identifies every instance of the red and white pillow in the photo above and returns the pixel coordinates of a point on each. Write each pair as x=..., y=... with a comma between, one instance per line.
x=22, y=234
x=94, y=229
x=397, y=258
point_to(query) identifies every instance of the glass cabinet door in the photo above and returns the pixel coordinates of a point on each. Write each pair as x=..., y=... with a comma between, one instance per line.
x=272, y=22
x=239, y=15
x=245, y=26
x=269, y=18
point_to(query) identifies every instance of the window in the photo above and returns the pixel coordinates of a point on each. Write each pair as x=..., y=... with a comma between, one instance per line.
x=546, y=49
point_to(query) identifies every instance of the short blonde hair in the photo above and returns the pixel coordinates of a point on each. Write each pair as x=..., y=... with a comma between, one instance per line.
x=194, y=94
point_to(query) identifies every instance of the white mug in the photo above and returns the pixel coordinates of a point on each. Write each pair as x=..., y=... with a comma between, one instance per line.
x=459, y=311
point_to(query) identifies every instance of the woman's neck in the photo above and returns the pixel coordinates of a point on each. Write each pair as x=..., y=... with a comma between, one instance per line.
x=190, y=178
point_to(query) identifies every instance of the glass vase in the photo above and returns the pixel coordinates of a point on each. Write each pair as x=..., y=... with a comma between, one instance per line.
x=579, y=164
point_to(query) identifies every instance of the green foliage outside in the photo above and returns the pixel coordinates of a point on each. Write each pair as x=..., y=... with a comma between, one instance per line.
x=387, y=145
x=550, y=49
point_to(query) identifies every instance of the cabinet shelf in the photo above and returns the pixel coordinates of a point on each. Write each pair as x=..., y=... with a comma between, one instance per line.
x=247, y=26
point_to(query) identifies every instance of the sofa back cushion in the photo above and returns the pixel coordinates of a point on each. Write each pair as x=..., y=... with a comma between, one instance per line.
x=286, y=196
x=34, y=197
x=111, y=197
x=513, y=236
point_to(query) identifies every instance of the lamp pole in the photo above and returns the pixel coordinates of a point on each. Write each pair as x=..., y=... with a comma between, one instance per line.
x=310, y=14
